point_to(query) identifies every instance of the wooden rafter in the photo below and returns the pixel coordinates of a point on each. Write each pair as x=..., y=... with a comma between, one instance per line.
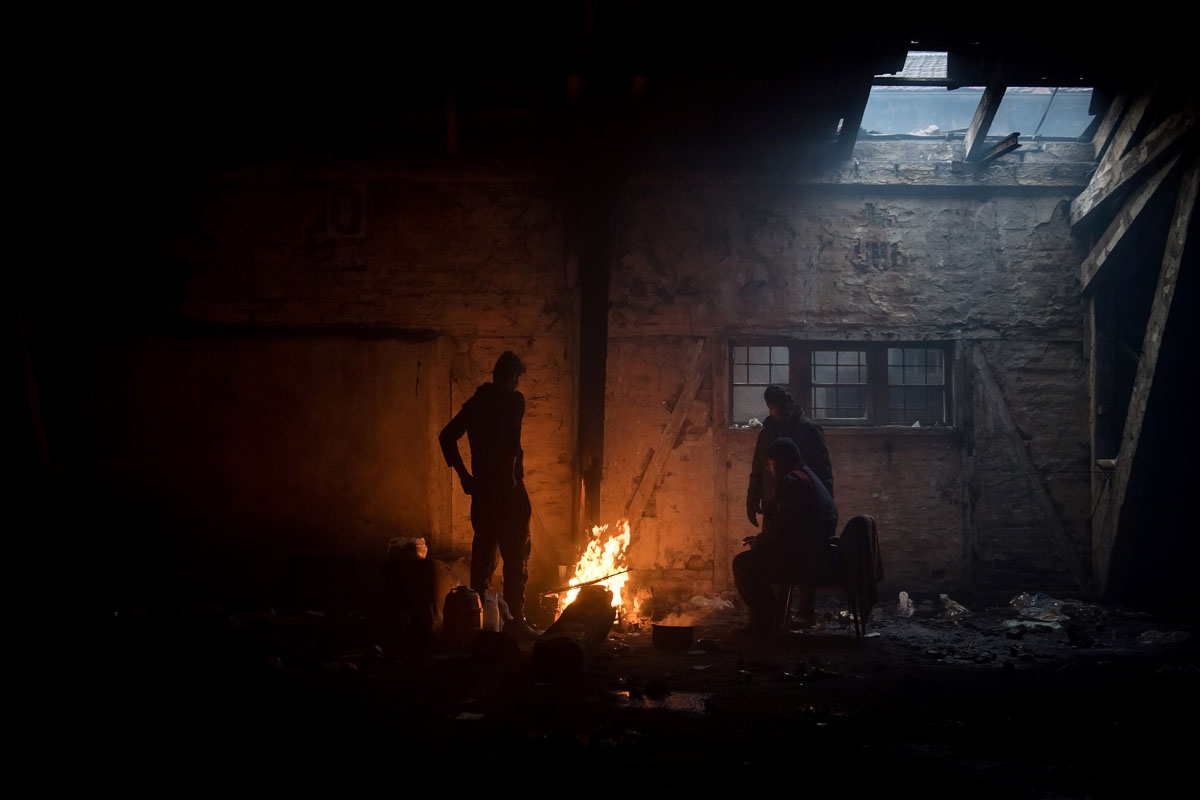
x=985, y=112
x=1108, y=125
x=1143, y=382
x=1095, y=266
x=1115, y=174
x=854, y=108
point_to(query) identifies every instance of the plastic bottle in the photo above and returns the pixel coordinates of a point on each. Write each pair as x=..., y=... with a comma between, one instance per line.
x=491, y=611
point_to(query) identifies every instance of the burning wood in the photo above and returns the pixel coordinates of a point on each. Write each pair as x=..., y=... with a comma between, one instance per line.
x=588, y=606
x=577, y=634
x=603, y=561
x=570, y=586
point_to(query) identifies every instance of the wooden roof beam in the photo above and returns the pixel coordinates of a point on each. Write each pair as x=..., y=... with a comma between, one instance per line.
x=1104, y=539
x=1116, y=173
x=985, y=112
x=1096, y=267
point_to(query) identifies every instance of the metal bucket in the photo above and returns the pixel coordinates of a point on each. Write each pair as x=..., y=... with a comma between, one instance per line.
x=672, y=637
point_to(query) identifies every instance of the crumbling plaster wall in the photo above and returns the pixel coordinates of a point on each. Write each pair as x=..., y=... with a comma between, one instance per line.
x=997, y=266
x=347, y=313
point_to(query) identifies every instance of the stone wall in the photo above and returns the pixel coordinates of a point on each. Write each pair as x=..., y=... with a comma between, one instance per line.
x=992, y=265
x=325, y=322
x=350, y=309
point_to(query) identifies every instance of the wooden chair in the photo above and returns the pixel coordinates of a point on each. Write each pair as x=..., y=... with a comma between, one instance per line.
x=859, y=569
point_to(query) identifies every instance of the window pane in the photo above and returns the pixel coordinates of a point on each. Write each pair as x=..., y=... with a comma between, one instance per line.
x=752, y=368
x=748, y=404
x=910, y=404
x=824, y=374
x=843, y=385
x=851, y=366
x=921, y=110
x=923, y=366
x=935, y=405
x=851, y=402
x=852, y=374
x=1062, y=112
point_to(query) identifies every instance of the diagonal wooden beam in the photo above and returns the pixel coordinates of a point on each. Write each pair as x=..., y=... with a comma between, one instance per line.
x=1131, y=120
x=697, y=366
x=994, y=398
x=1111, y=177
x=985, y=112
x=1108, y=125
x=1143, y=383
x=1093, y=269
x=853, y=109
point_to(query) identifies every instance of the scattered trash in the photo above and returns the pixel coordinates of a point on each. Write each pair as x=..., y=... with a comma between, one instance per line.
x=1164, y=637
x=953, y=609
x=495, y=611
x=701, y=605
x=1030, y=624
x=1039, y=606
x=402, y=547
x=1078, y=637
x=906, y=608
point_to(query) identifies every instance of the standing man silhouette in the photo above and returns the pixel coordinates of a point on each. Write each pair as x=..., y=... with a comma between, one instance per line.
x=500, y=510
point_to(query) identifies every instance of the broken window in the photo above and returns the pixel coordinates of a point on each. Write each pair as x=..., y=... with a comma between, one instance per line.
x=845, y=383
x=920, y=101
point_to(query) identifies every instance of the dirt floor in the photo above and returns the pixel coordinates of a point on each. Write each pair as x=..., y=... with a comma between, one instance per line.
x=1037, y=698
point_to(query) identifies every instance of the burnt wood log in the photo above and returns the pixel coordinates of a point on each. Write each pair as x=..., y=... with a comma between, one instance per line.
x=576, y=635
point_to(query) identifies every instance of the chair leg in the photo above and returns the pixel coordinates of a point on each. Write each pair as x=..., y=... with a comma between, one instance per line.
x=856, y=606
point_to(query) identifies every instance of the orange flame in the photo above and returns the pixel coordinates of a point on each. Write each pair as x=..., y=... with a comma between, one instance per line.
x=604, y=556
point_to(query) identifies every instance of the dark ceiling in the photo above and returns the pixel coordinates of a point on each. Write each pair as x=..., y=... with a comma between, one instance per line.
x=215, y=91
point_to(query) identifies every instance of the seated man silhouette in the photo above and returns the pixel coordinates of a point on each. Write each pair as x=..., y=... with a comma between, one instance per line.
x=798, y=543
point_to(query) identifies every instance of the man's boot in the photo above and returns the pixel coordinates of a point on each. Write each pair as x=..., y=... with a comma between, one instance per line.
x=519, y=628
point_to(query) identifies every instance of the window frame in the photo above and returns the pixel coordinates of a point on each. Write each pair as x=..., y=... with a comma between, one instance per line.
x=800, y=376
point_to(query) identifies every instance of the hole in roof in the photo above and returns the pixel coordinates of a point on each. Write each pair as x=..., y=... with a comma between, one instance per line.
x=933, y=110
